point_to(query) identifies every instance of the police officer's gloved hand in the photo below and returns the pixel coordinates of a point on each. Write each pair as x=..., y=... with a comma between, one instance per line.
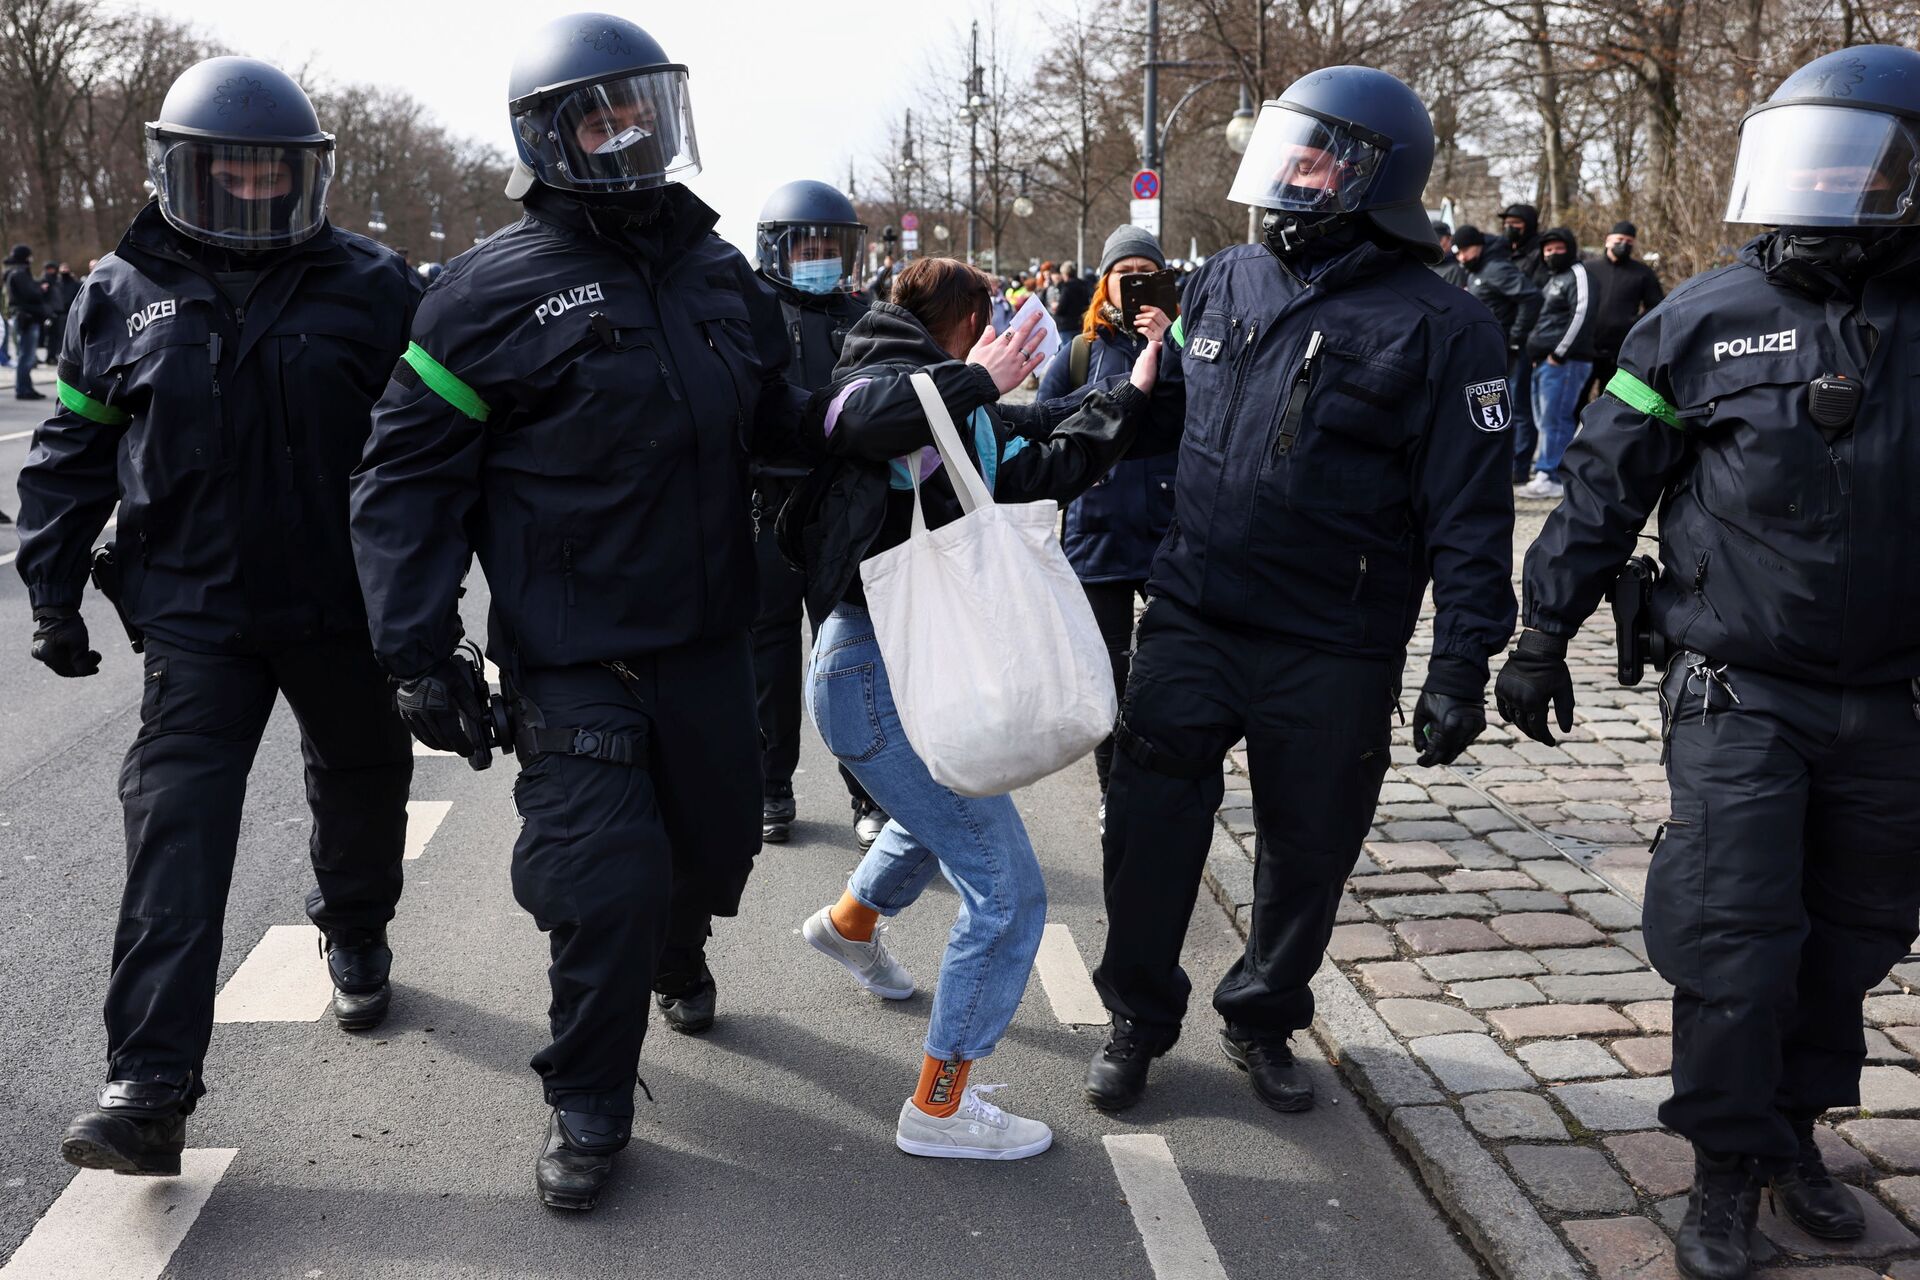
x=60, y=641
x=1535, y=678
x=1451, y=712
x=439, y=708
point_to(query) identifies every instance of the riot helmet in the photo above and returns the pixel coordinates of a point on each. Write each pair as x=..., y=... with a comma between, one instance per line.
x=1837, y=145
x=811, y=239
x=1340, y=143
x=597, y=109
x=237, y=157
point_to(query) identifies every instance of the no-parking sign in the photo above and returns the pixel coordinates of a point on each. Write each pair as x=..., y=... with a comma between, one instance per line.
x=1146, y=185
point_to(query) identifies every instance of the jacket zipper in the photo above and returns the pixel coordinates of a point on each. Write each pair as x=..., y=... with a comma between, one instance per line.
x=1239, y=383
x=1360, y=580
x=219, y=414
x=1297, y=399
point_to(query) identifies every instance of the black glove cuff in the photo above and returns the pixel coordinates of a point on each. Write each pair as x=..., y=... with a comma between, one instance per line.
x=54, y=613
x=1538, y=644
x=1456, y=678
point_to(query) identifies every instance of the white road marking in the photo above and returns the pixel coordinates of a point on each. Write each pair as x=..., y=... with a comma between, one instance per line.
x=105, y=1225
x=283, y=980
x=422, y=749
x=493, y=674
x=423, y=819
x=1178, y=1247
x=17, y=435
x=1064, y=976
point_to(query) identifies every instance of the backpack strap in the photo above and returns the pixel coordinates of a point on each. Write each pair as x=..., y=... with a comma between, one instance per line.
x=1079, y=357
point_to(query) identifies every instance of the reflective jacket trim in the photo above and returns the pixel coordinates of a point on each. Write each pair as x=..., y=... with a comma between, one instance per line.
x=1638, y=395
x=444, y=383
x=89, y=408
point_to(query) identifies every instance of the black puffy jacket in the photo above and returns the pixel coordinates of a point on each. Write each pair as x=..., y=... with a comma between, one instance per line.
x=1507, y=293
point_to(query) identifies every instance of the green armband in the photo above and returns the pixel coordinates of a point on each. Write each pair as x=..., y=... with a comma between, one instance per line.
x=444, y=383
x=1636, y=394
x=92, y=410
x=1179, y=332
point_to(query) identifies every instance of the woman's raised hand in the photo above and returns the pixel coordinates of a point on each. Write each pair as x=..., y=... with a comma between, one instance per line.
x=1011, y=357
x=1152, y=322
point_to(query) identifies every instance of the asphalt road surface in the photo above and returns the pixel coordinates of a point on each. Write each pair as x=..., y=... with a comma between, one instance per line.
x=768, y=1149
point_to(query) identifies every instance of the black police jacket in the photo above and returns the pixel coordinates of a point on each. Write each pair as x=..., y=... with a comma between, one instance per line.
x=1346, y=439
x=1781, y=550
x=577, y=408
x=225, y=434
x=817, y=325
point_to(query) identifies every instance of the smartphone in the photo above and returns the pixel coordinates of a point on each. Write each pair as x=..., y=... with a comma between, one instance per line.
x=1149, y=289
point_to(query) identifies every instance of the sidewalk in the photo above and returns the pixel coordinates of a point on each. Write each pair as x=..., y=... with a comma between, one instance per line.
x=1487, y=992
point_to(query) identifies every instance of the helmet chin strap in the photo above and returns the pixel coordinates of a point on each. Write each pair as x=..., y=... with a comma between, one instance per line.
x=1287, y=235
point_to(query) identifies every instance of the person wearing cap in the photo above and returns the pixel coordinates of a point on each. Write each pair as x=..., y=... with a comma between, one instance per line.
x=1448, y=268
x=1765, y=410
x=1113, y=529
x=1561, y=348
x=216, y=385
x=30, y=312
x=578, y=409
x=1344, y=444
x=1624, y=289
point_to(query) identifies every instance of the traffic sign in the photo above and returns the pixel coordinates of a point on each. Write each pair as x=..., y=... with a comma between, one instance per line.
x=910, y=240
x=1146, y=185
x=909, y=222
x=1146, y=216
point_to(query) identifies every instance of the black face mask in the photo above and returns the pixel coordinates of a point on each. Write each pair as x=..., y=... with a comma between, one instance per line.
x=1472, y=265
x=1620, y=252
x=1516, y=234
x=1558, y=261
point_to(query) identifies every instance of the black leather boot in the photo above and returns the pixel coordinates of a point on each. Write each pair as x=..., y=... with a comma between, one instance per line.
x=359, y=961
x=777, y=812
x=577, y=1159
x=687, y=1002
x=1277, y=1079
x=1716, y=1236
x=140, y=1127
x=1117, y=1076
x=1810, y=1197
x=868, y=819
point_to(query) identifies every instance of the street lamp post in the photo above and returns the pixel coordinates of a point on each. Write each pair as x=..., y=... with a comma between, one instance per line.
x=906, y=170
x=376, y=220
x=975, y=107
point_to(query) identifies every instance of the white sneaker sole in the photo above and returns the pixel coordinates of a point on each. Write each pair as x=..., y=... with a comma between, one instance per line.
x=942, y=1151
x=811, y=932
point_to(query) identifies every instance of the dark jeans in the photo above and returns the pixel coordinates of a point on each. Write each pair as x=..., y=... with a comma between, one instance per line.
x=1113, y=610
x=622, y=865
x=1784, y=887
x=1316, y=726
x=1526, y=436
x=183, y=785
x=26, y=353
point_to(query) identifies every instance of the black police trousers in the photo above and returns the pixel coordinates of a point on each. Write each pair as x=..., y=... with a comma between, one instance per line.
x=1316, y=728
x=779, y=662
x=182, y=788
x=1784, y=886
x=623, y=864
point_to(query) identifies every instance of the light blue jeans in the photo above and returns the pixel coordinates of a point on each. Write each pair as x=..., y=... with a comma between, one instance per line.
x=1556, y=407
x=981, y=846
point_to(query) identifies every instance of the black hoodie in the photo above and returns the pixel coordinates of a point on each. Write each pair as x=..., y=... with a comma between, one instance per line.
x=1526, y=253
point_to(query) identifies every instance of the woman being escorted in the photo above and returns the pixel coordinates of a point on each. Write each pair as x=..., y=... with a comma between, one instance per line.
x=872, y=423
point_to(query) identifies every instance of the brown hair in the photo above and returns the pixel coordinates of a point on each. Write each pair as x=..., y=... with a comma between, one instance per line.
x=943, y=293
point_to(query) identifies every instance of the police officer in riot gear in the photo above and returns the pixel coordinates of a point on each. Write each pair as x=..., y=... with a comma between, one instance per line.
x=577, y=408
x=216, y=381
x=1345, y=441
x=1765, y=408
x=811, y=246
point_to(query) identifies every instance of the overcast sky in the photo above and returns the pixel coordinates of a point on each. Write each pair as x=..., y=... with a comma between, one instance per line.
x=781, y=89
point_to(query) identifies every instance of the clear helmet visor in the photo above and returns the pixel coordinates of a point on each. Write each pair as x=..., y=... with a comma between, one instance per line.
x=240, y=195
x=620, y=135
x=813, y=257
x=1302, y=164
x=1820, y=166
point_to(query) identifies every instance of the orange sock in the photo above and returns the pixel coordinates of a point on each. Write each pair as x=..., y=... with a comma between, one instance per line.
x=853, y=918
x=942, y=1081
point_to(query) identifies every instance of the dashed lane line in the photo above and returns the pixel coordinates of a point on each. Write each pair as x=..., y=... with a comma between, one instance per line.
x=1178, y=1247
x=1063, y=974
x=282, y=980
x=106, y=1227
x=17, y=435
x=423, y=819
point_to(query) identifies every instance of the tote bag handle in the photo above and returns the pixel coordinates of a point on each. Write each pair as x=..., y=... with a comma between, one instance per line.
x=968, y=487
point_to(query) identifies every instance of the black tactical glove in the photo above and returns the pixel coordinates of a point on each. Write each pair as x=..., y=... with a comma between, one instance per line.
x=1451, y=712
x=439, y=708
x=1535, y=678
x=60, y=641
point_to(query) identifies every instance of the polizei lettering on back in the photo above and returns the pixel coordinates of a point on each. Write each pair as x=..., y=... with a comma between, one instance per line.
x=1785, y=340
x=561, y=303
x=140, y=319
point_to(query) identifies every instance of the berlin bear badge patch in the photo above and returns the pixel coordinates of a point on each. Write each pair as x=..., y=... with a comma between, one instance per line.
x=1490, y=404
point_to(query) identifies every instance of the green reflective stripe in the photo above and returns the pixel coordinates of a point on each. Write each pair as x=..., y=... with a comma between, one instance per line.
x=1638, y=395
x=444, y=383
x=1179, y=332
x=89, y=408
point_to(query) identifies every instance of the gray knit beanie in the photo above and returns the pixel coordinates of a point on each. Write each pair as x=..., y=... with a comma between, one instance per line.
x=1131, y=242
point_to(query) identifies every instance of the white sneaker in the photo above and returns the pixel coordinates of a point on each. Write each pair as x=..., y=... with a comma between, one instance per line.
x=1543, y=486
x=870, y=963
x=977, y=1131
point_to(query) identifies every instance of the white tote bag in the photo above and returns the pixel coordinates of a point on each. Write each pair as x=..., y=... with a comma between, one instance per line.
x=997, y=666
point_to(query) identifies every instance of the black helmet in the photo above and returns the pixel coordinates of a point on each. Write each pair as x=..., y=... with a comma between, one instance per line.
x=810, y=238
x=1342, y=141
x=1837, y=145
x=596, y=107
x=237, y=157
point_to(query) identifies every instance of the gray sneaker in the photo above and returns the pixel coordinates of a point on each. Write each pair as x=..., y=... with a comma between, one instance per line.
x=977, y=1131
x=870, y=963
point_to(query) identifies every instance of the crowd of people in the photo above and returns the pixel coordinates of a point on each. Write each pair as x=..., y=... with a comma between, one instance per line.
x=664, y=458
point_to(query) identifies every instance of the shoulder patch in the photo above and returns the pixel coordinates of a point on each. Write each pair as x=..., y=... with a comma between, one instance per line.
x=1490, y=405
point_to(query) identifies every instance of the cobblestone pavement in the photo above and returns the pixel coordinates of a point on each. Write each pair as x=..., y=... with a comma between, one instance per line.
x=1487, y=992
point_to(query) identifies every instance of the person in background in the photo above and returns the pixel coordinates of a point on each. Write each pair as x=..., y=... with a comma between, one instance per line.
x=1520, y=231
x=1000, y=310
x=1072, y=299
x=1493, y=278
x=1623, y=291
x=30, y=312
x=1561, y=347
x=1113, y=529
x=1447, y=268
x=1018, y=291
x=62, y=289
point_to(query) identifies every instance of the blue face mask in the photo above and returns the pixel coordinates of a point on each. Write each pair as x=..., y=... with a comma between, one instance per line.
x=817, y=277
